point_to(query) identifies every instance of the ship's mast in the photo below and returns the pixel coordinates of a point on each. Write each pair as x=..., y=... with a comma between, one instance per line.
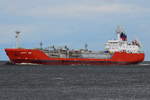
x=86, y=46
x=17, y=39
x=41, y=45
x=119, y=30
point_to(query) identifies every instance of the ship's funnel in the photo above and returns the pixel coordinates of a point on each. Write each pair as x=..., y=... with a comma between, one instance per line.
x=119, y=31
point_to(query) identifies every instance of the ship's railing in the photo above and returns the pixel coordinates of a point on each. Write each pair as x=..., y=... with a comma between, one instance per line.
x=140, y=52
x=59, y=53
x=97, y=55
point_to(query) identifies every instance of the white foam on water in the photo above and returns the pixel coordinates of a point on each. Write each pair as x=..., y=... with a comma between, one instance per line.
x=27, y=64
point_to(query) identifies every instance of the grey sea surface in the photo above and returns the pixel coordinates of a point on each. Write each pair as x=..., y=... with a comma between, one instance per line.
x=45, y=82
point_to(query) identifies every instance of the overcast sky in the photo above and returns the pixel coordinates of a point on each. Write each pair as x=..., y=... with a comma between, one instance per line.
x=72, y=22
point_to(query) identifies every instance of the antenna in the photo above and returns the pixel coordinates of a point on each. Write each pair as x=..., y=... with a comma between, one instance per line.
x=86, y=46
x=41, y=45
x=17, y=39
x=119, y=29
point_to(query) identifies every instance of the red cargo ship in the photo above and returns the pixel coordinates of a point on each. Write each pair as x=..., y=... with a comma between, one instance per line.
x=118, y=51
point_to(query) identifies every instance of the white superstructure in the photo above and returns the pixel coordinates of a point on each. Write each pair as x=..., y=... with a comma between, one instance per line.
x=122, y=45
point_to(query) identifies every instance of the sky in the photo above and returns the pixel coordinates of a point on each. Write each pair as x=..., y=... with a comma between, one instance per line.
x=72, y=22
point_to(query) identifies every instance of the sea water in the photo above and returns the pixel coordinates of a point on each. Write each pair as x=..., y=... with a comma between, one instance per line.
x=45, y=82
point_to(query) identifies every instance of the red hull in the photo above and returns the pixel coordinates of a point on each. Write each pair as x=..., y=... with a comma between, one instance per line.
x=36, y=56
